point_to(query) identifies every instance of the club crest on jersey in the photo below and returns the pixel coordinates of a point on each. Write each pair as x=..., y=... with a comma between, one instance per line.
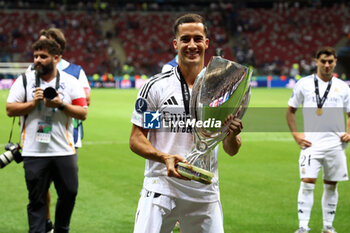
x=141, y=105
x=151, y=120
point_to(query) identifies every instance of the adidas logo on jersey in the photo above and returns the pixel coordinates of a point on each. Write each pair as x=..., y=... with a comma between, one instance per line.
x=171, y=101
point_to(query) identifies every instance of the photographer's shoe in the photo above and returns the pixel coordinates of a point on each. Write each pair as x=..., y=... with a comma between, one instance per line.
x=302, y=230
x=328, y=230
x=49, y=226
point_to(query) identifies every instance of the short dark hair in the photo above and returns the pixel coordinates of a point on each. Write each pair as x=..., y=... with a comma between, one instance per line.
x=327, y=50
x=46, y=44
x=189, y=18
x=55, y=34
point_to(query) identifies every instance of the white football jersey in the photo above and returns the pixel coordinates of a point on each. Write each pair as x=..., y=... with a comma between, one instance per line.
x=324, y=130
x=163, y=93
x=61, y=140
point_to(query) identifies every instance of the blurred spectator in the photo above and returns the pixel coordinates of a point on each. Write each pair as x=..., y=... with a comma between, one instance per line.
x=294, y=71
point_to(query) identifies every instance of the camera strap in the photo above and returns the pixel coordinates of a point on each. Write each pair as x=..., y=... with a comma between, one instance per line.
x=37, y=80
x=24, y=79
x=13, y=122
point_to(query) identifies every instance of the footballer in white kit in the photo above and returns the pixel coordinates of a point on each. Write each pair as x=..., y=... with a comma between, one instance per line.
x=325, y=100
x=323, y=131
x=172, y=139
x=157, y=135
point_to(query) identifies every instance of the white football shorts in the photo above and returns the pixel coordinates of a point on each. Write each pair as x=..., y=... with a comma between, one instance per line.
x=333, y=164
x=159, y=213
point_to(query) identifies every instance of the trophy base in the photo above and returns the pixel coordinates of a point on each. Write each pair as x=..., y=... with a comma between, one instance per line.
x=194, y=173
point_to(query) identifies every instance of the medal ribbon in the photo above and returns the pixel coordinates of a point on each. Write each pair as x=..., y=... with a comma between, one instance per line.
x=185, y=93
x=320, y=101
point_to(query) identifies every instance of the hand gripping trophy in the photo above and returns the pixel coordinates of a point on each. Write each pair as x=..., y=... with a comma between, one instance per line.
x=220, y=91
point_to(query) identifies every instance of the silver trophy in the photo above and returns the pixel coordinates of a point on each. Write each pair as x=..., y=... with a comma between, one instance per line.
x=220, y=91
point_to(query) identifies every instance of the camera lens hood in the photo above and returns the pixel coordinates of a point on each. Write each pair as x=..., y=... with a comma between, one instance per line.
x=50, y=93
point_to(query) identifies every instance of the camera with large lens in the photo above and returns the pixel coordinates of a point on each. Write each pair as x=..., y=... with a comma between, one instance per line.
x=13, y=152
x=50, y=93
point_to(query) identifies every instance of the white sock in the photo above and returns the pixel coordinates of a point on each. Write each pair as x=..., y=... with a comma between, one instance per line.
x=305, y=203
x=329, y=203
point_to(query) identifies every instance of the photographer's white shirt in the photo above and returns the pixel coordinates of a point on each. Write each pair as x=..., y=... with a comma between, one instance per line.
x=60, y=142
x=77, y=72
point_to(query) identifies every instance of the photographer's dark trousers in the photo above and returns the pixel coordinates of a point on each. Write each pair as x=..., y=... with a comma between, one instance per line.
x=39, y=172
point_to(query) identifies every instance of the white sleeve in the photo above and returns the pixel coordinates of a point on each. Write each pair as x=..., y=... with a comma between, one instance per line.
x=17, y=92
x=166, y=68
x=347, y=99
x=77, y=93
x=297, y=97
x=146, y=101
x=83, y=80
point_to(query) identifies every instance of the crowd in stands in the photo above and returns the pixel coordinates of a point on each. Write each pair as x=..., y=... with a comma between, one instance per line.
x=279, y=39
x=289, y=34
x=147, y=38
x=86, y=44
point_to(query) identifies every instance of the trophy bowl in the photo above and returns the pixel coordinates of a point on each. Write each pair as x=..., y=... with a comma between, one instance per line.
x=220, y=91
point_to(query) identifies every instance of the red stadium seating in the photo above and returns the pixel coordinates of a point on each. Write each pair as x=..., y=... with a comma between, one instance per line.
x=289, y=34
x=149, y=36
x=84, y=44
x=292, y=34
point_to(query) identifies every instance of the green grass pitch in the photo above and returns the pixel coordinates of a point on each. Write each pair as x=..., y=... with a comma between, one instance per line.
x=258, y=186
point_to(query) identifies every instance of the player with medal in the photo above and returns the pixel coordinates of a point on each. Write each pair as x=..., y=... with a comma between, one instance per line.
x=320, y=101
x=324, y=139
x=166, y=195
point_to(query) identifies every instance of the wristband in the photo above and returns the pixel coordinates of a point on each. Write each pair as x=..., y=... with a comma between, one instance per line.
x=62, y=106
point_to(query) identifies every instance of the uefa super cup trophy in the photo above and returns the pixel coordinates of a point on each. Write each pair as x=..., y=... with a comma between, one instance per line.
x=220, y=91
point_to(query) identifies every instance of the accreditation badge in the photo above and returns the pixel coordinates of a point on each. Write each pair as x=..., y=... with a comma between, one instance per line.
x=43, y=133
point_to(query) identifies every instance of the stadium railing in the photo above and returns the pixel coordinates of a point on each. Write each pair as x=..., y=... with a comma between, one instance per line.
x=13, y=68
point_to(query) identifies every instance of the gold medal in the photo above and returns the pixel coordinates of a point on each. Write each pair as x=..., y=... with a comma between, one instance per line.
x=320, y=101
x=319, y=111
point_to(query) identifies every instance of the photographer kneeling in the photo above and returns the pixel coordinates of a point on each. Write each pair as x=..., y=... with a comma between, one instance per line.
x=47, y=134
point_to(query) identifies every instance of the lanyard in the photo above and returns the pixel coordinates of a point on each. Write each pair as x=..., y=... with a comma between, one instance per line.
x=320, y=101
x=185, y=93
